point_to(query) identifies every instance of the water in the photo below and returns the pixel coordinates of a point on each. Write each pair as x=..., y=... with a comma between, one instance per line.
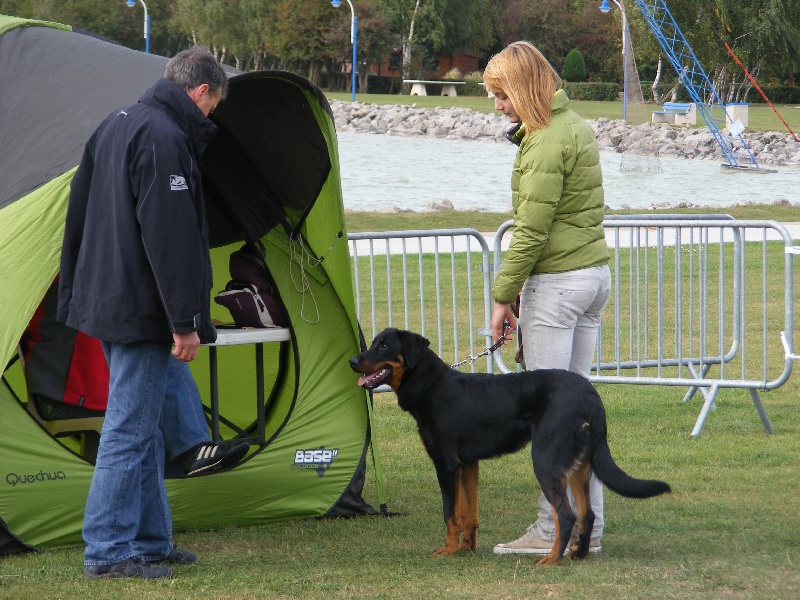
x=383, y=171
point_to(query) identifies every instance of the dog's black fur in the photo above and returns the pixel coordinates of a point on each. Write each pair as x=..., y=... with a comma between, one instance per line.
x=466, y=417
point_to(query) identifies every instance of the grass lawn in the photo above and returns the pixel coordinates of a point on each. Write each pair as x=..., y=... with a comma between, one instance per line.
x=490, y=221
x=727, y=530
x=761, y=116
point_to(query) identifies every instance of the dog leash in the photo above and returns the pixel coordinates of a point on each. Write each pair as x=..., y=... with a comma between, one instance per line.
x=489, y=350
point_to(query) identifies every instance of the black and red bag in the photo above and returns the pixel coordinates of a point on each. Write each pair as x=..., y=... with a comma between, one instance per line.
x=251, y=295
x=65, y=370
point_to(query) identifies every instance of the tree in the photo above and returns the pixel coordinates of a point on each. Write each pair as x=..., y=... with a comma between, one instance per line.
x=374, y=39
x=299, y=37
x=764, y=35
x=574, y=68
x=465, y=26
x=548, y=24
x=424, y=28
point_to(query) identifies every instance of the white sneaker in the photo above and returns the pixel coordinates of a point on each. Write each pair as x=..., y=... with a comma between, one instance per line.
x=532, y=542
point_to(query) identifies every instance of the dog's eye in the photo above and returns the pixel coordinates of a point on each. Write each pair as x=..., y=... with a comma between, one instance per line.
x=382, y=344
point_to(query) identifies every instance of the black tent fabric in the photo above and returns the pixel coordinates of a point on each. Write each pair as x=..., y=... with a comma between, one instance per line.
x=249, y=127
x=34, y=151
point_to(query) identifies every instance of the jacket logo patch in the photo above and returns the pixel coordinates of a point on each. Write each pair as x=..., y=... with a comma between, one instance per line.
x=177, y=183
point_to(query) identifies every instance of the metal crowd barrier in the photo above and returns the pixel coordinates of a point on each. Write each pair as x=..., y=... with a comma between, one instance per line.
x=703, y=302
x=433, y=282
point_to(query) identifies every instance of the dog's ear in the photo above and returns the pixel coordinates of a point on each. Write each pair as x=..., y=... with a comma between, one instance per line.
x=414, y=347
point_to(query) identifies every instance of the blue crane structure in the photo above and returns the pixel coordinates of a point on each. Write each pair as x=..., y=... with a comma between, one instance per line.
x=697, y=84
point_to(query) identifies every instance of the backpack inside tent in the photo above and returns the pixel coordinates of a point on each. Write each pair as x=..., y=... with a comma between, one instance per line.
x=271, y=179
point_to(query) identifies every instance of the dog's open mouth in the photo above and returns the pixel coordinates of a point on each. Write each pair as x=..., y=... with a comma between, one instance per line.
x=373, y=380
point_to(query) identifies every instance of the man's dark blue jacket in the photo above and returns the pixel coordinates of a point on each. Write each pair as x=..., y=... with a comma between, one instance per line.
x=135, y=261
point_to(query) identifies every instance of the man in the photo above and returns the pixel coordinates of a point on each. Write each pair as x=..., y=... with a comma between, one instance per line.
x=136, y=274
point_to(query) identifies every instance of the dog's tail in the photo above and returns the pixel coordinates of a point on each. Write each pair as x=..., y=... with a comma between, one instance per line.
x=615, y=478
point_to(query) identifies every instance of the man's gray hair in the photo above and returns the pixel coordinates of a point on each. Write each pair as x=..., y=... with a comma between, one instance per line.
x=197, y=66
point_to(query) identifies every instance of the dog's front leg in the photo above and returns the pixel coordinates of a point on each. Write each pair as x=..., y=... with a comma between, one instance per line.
x=449, y=488
x=467, y=505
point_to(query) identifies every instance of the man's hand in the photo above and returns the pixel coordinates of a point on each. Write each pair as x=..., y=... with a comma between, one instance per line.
x=501, y=313
x=186, y=345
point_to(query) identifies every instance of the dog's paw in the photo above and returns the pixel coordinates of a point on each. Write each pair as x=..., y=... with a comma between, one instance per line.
x=575, y=555
x=445, y=551
x=550, y=559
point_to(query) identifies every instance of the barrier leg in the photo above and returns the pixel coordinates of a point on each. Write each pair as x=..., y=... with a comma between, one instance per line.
x=701, y=418
x=762, y=414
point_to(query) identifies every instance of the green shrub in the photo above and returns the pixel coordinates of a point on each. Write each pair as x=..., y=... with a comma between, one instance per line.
x=574, y=68
x=592, y=91
x=472, y=85
x=453, y=74
x=778, y=94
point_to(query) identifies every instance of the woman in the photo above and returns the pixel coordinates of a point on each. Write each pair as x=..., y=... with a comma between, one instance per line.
x=558, y=258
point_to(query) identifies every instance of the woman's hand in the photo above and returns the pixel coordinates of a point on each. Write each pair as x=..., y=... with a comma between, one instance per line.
x=500, y=314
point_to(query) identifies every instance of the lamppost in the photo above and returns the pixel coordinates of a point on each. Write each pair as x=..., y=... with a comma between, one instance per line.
x=604, y=8
x=131, y=4
x=353, y=40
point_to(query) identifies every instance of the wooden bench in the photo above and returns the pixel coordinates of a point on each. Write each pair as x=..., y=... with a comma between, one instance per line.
x=419, y=86
x=676, y=113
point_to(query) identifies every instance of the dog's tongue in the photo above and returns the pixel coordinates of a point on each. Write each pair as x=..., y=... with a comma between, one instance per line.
x=373, y=380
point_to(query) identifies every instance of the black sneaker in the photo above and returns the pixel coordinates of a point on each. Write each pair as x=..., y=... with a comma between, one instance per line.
x=133, y=567
x=177, y=557
x=207, y=458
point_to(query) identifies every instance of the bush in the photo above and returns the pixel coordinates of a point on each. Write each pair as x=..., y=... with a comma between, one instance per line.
x=472, y=85
x=779, y=94
x=453, y=74
x=574, y=68
x=592, y=91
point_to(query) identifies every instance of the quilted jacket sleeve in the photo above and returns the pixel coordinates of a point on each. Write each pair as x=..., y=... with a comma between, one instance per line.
x=538, y=180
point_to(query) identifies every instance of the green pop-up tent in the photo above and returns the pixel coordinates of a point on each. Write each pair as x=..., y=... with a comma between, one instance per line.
x=271, y=177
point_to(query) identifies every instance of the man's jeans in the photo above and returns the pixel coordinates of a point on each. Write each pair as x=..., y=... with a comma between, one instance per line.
x=183, y=423
x=127, y=510
x=560, y=314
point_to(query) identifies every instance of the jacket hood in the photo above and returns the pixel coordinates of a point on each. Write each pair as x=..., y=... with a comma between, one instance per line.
x=560, y=101
x=173, y=100
x=559, y=104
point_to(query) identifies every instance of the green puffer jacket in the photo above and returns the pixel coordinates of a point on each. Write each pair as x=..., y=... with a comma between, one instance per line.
x=557, y=188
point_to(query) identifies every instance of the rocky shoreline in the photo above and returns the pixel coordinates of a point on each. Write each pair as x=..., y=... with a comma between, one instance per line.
x=769, y=148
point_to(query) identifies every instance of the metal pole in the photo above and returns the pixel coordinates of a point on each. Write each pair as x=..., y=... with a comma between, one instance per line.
x=604, y=8
x=354, y=35
x=146, y=31
x=131, y=4
x=625, y=41
x=354, y=41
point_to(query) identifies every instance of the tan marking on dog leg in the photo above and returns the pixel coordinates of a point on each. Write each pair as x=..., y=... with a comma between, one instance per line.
x=453, y=524
x=468, y=506
x=579, y=484
x=554, y=558
x=451, y=539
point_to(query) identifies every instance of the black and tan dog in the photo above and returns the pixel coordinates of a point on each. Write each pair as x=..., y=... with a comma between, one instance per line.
x=466, y=417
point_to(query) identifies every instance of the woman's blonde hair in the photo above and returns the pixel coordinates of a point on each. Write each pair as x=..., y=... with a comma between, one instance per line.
x=523, y=74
